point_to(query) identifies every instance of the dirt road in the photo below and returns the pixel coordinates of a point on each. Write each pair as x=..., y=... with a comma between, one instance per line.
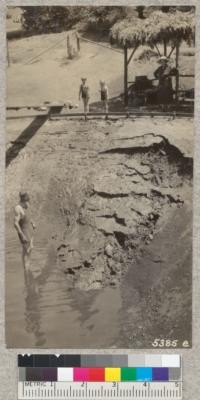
x=37, y=74
x=112, y=263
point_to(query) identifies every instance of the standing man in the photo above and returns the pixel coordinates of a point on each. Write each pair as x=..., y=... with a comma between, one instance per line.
x=104, y=96
x=84, y=93
x=24, y=227
x=164, y=75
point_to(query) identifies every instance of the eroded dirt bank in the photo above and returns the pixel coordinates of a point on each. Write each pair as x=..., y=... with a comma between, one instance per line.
x=113, y=209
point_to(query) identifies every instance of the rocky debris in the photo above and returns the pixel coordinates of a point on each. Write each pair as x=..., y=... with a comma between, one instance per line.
x=139, y=168
x=109, y=226
x=114, y=266
x=63, y=245
x=108, y=250
x=115, y=186
x=89, y=275
x=74, y=259
x=116, y=210
x=135, y=143
x=120, y=207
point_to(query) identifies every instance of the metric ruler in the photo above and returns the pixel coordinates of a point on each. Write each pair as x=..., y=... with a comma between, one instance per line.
x=99, y=391
x=100, y=377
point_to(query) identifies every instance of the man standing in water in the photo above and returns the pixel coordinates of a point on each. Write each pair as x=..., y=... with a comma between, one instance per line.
x=24, y=227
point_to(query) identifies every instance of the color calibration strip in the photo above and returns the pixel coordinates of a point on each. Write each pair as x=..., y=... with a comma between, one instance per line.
x=99, y=368
x=99, y=377
x=100, y=360
x=125, y=374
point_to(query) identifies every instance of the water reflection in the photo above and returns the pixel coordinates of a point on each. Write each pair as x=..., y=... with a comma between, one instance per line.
x=43, y=311
x=34, y=280
x=32, y=308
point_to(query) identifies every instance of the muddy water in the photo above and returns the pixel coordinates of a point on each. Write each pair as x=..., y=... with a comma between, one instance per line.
x=42, y=309
x=43, y=312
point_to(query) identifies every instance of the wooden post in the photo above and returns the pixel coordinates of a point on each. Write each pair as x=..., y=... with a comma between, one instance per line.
x=69, y=47
x=165, y=48
x=158, y=51
x=132, y=54
x=172, y=50
x=8, y=54
x=177, y=67
x=78, y=41
x=125, y=76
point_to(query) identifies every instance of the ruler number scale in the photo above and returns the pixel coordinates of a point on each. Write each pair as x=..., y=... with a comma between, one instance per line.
x=99, y=391
x=100, y=377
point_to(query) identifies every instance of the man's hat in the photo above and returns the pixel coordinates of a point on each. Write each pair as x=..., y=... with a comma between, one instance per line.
x=24, y=196
x=163, y=58
x=84, y=79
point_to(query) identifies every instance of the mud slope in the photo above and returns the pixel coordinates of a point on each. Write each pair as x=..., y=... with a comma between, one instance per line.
x=131, y=227
x=116, y=213
x=128, y=192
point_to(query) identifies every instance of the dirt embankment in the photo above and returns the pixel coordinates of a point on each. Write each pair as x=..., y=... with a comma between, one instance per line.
x=119, y=215
x=118, y=209
x=129, y=225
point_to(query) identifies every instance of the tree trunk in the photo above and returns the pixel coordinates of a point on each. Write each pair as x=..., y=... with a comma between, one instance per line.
x=165, y=48
x=125, y=76
x=8, y=54
x=177, y=67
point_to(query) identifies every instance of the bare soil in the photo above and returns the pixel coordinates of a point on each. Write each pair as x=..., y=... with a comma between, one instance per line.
x=112, y=260
x=40, y=70
x=112, y=201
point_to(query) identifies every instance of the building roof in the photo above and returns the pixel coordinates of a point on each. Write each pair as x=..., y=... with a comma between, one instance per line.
x=155, y=29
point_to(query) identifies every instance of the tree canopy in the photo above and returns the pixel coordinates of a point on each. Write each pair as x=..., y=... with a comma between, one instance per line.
x=158, y=27
x=44, y=19
x=129, y=25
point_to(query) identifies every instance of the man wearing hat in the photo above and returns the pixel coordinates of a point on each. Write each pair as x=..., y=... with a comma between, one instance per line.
x=164, y=75
x=24, y=227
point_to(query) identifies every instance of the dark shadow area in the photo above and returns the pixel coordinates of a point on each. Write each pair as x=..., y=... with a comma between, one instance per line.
x=16, y=34
x=24, y=138
x=29, y=132
x=115, y=104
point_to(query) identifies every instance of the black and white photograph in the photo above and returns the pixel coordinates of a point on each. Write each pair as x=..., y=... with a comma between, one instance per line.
x=99, y=176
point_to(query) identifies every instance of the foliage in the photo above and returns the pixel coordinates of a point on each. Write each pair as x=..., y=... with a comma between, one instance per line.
x=172, y=27
x=129, y=32
x=140, y=10
x=146, y=55
x=103, y=18
x=157, y=28
x=44, y=19
x=132, y=25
